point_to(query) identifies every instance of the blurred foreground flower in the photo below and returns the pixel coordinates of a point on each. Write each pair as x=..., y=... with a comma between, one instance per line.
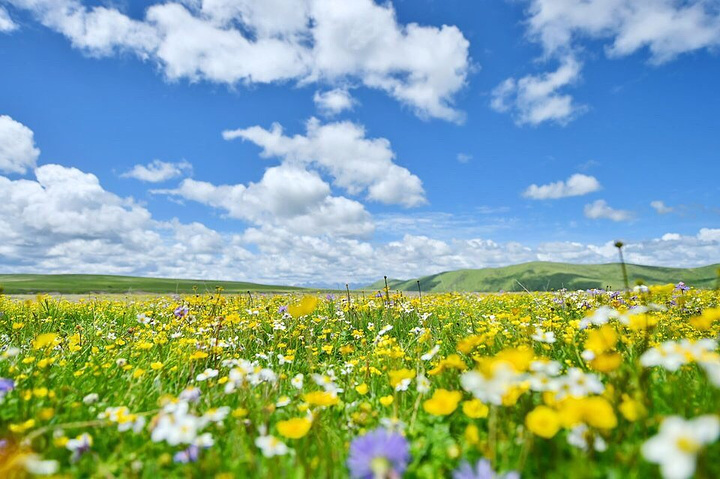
x=378, y=454
x=678, y=442
x=482, y=470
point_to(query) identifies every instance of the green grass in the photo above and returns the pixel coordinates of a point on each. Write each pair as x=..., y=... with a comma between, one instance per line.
x=91, y=283
x=546, y=276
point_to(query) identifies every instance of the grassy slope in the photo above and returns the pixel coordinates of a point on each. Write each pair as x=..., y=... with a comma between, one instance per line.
x=88, y=283
x=545, y=276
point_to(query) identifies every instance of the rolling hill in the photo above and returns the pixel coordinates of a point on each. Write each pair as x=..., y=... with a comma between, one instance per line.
x=90, y=283
x=546, y=276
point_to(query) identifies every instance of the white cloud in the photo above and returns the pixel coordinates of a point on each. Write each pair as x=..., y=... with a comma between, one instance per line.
x=334, y=101
x=6, y=23
x=535, y=99
x=158, y=171
x=464, y=157
x=355, y=162
x=667, y=28
x=660, y=207
x=287, y=196
x=18, y=152
x=65, y=221
x=262, y=41
x=599, y=209
x=577, y=185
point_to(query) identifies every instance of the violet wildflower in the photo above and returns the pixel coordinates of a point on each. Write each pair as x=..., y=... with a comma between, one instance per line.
x=682, y=287
x=283, y=309
x=181, y=311
x=187, y=455
x=378, y=454
x=482, y=470
x=6, y=385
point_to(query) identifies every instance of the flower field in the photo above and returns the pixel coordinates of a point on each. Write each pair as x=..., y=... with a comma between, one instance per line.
x=565, y=384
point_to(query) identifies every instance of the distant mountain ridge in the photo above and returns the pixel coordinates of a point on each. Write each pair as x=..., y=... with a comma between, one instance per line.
x=548, y=276
x=95, y=283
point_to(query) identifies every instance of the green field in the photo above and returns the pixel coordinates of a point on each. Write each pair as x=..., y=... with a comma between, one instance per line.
x=91, y=283
x=546, y=276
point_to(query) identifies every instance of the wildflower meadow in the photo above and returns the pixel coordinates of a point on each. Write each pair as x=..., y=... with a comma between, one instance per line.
x=563, y=384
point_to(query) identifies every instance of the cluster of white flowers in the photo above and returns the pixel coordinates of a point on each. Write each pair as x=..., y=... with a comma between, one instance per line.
x=671, y=355
x=491, y=388
x=175, y=424
x=244, y=371
x=678, y=442
x=543, y=376
x=327, y=381
x=122, y=417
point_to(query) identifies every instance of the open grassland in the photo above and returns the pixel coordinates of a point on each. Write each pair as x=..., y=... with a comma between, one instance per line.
x=545, y=276
x=584, y=385
x=92, y=283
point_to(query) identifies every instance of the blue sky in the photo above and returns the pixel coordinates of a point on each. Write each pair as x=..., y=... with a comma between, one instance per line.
x=440, y=117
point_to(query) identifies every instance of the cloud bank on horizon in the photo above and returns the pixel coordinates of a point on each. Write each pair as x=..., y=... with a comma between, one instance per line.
x=342, y=194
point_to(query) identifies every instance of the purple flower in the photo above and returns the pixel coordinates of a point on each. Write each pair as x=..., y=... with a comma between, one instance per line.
x=181, y=311
x=378, y=453
x=6, y=385
x=330, y=297
x=681, y=287
x=282, y=309
x=482, y=470
x=188, y=455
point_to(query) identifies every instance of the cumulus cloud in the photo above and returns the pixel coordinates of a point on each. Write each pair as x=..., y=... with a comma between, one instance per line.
x=6, y=23
x=334, y=101
x=270, y=41
x=665, y=28
x=287, y=196
x=464, y=157
x=341, y=149
x=534, y=99
x=158, y=171
x=599, y=209
x=577, y=185
x=64, y=221
x=660, y=207
x=18, y=152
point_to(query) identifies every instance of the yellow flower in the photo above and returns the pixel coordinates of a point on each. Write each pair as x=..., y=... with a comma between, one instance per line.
x=156, y=365
x=602, y=339
x=138, y=373
x=606, y=362
x=294, y=428
x=20, y=428
x=543, y=421
x=475, y=409
x=520, y=359
x=199, y=355
x=597, y=412
x=631, y=409
x=44, y=340
x=321, y=398
x=706, y=319
x=386, y=400
x=307, y=305
x=399, y=375
x=362, y=389
x=453, y=361
x=641, y=322
x=239, y=413
x=472, y=434
x=442, y=402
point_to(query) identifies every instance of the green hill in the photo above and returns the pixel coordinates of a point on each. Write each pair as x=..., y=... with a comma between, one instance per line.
x=546, y=276
x=91, y=283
